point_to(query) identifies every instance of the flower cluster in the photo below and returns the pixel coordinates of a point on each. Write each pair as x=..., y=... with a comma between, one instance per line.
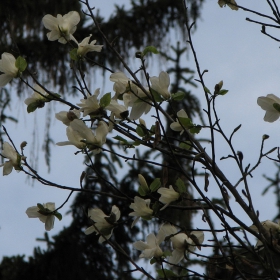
x=181, y=243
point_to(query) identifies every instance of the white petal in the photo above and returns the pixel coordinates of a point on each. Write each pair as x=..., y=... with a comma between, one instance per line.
x=32, y=212
x=177, y=256
x=90, y=230
x=271, y=116
x=5, y=79
x=49, y=222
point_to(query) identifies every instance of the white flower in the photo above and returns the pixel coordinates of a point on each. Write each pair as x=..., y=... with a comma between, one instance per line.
x=141, y=209
x=90, y=104
x=176, y=126
x=151, y=247
x=68, y=116
x=47, y=218
x=181, y=242
x=120, y=82
x=81, y=136
x=62, y=27
x=103, y=224
x=167, y=196
x=161, y=84
x=14, y=159
x=84, y=47
x=271, y=227
x=123, y=85
x=36, y=97
x=267, y=104
x=117, y=109
x=223, y=3
x=8, y=67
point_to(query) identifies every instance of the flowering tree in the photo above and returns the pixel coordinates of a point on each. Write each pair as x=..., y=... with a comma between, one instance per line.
x=174, y=174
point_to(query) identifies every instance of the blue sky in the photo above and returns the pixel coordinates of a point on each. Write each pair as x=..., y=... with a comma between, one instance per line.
x=232, y=50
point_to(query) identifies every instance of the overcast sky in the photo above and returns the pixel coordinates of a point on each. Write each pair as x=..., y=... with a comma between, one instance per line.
x=232, y=50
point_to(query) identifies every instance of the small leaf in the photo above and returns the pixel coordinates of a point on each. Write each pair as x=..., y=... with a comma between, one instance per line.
x=276, y=106
x=196, y=129
x=142, y=191
x=156, y=95
x=122, y=140
x=32, y=107
x=178, y=96
x=58, y=215
x=153, y=260
x=155, y=185
x=21, y=64
x=140, y=131
x=148, y=49
x=207, y=90
x=105, y=100
x=222, y=92
x=180, y=186
x=186, y=122
x=185, y=145
x=40, y=206
x=74, y=55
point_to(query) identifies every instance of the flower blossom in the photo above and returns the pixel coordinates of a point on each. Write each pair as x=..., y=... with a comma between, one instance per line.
x=90, y=104
x=103, y=224
x=84, y=47
x=271, y=227
x=133, y=96
x=231, y=3
x=119, y=111
x=177, y=126
x=151, y=247
x=8, y=67
x=167, y=196
x=61, y=27
x=161, y=83
x=181, y=242
x=68, y=116
x=141, y=209
x=46, y=216
x=14, y=159
x=81, y=136
x=271, y=104
x=39, y=96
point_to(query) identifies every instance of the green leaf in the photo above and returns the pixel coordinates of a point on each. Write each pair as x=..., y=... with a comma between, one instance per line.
x=142, y=191
x=58, y=215
x=156, y=95
x=105, y=100
x=153, y=260
x=74, y=55
x=186, y=122
x=124, y=141
x=140, y=131
x=52, y=96
x=148, y=49
x=136, y=143
x=207, y=90
x=21, y=64
x=276, y=106
x=163, y=273
x=196, y=129
x=180, y=186
x=32, y=107
x=155, y=185
x=223, y=92
x=178, y=96
x=40, y=206
x=185, y=145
